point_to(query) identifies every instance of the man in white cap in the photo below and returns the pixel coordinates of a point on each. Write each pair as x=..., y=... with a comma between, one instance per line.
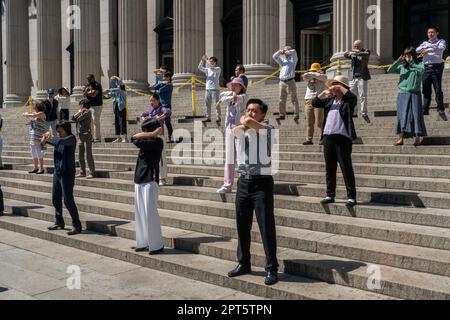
x=287, y=59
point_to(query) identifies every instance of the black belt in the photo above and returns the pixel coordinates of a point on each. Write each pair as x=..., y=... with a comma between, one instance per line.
x=254, y=177
x=288, y=80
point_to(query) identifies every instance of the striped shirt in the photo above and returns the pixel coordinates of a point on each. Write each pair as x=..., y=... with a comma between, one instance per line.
x=37, y=129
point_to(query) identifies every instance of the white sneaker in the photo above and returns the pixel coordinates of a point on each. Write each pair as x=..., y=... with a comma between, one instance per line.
x=119, y=140
x=223, y=190
x=162, y=183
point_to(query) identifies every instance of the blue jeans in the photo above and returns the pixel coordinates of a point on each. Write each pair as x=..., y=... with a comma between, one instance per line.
x=433, y=77
x=63, y=185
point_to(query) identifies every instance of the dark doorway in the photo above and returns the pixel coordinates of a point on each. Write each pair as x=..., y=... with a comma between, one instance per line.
x=232, y=24
x=313, y=21
x=412, y=19
x=165, y=36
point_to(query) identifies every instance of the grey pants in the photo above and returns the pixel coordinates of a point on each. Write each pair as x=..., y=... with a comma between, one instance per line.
x=212, y=97
x=85, y=150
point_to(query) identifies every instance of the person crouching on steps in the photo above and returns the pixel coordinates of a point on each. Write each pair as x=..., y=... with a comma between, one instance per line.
x=83, y=119
x=148, y=223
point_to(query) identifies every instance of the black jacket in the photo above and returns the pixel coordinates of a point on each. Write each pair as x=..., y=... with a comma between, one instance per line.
x=51, y=110
x=360, y=61
x=147, y=166
x=346, y=111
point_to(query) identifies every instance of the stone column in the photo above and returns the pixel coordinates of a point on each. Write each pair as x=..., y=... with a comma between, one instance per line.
x=154, y=16
x=109, y=47
x=133, y=61
x=18, y=77
x=49, y=44
x=286, y=23
x=214, y=30
x=261, y=37
x=87, y=44
x=368, y=20
x=189, y=34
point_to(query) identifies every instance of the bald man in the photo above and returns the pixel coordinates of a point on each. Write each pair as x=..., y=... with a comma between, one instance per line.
x=361, y=75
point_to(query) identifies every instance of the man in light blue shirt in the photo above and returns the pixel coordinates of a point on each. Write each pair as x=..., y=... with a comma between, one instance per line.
x=433, y=51
x=287, y=59
x=209, y=66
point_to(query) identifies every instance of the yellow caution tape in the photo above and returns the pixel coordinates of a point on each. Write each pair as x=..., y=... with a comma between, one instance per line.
x=21, y=110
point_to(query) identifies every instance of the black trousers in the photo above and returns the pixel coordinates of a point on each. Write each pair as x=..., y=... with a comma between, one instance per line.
x=120, y=121
x=256, y=196
x=168, y=122
x=338, y=149
x=433, y=77
x=64, y=115
x=2, y=204
x=63, y=185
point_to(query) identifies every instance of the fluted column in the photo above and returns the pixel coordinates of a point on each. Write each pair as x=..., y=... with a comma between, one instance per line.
x=49, y=42
x=109, y=35
x=357, y=20
x=133, y=60
x=18, y=74
x=87, y=44
x=261, y=37
x=189, y=34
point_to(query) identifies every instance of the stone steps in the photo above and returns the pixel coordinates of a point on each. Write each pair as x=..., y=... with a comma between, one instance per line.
x=437, y=238
x=375, y=211
x=395, y=282
x=130, y=155
x=193, y=266
x=374, y=251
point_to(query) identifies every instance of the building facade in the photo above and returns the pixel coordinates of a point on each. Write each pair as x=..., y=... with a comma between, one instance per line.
x=54, y=43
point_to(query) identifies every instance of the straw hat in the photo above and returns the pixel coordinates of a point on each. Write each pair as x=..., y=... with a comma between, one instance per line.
x=316, y=67
x=338, y=80
x=238, y=81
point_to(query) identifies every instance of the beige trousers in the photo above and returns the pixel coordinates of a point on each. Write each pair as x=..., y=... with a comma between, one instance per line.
x=314, y=119
x=288, y=88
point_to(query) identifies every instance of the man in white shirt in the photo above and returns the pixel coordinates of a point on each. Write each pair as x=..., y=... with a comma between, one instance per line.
x=213, y=72
x=287, y=59
x=433, y=51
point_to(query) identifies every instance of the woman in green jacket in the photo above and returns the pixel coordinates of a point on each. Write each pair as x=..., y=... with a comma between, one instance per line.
x=411, y=121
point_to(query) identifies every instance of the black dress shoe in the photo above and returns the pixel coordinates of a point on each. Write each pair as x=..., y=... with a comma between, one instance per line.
x=1, y=214
x=34, y=171
x=272, y=278
x=152, y=253
x=327, y=200
x=351, y=203
x=41, y=172
x=140, y=249
x=74, y=231
x=57, y=227
x=239, y=271
x=308, y=143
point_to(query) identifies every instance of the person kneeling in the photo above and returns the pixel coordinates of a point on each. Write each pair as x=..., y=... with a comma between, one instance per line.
x=148, y=223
